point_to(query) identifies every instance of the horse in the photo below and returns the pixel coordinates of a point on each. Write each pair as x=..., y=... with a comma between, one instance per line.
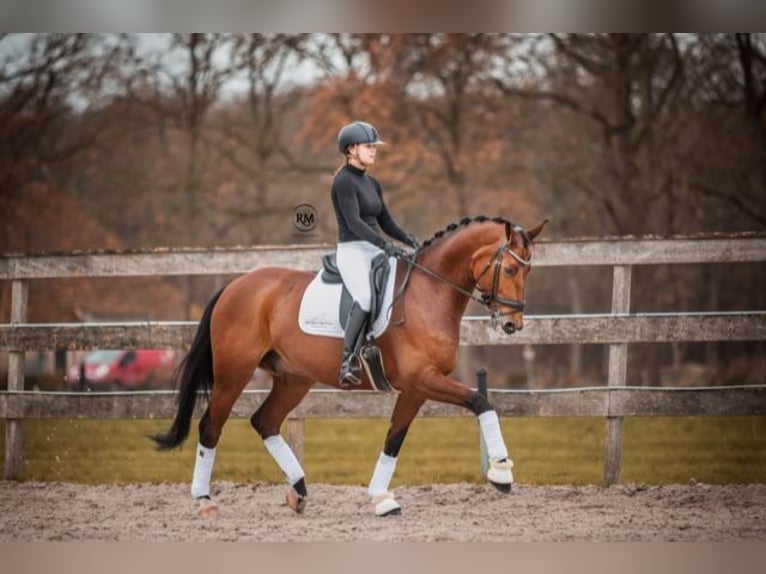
x=252, y=322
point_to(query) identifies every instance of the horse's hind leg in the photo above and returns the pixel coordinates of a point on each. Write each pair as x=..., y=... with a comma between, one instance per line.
x=286, y=393
x=232, y=373
x=407, y=406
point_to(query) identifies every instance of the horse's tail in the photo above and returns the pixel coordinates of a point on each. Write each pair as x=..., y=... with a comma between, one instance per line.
x=195, y=373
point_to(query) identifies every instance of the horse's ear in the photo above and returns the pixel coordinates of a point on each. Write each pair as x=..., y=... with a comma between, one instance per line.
x=535, y=231
x=508, y=230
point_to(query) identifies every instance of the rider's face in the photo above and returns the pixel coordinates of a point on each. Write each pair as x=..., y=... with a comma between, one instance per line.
x=364, y=153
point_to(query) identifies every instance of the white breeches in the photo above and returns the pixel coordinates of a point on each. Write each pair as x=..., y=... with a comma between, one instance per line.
x=354, y=262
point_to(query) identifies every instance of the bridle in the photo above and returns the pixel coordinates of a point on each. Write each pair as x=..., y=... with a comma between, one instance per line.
x=493, y=298
x=487, y=299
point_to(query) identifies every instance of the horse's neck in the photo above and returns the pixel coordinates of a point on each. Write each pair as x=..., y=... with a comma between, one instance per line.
x=450, y=257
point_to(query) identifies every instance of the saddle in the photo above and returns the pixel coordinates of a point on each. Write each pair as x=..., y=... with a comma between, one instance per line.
x=366, y=350
x=379, y=271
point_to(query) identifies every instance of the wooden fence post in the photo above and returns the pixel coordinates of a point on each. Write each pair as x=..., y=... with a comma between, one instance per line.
x=481, y=381
x=12, y=466
x=618, y=371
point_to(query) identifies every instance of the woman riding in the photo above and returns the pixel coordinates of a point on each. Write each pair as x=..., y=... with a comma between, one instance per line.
x=361, y=212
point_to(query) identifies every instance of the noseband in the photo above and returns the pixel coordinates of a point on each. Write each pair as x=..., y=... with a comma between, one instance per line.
x=491, y=298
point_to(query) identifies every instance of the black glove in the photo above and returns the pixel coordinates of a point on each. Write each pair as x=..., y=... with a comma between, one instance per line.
x=412, y=241
x=393, y=251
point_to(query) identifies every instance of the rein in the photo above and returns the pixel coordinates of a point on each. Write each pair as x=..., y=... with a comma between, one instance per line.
x=486, y=299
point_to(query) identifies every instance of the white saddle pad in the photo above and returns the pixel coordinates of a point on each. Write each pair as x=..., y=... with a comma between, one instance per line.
x=318, y=314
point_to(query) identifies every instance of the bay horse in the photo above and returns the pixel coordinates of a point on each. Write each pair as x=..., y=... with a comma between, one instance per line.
x=253, y=322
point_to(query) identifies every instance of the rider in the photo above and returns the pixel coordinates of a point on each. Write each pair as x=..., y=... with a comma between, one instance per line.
x=357, y=199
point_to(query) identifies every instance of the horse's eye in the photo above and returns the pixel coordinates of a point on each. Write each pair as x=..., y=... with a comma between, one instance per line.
x=510, y=271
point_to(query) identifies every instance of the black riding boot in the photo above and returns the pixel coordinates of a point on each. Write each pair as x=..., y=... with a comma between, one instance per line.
x=350, y=372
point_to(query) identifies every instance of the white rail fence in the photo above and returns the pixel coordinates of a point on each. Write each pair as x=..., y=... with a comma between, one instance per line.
x=614, y=401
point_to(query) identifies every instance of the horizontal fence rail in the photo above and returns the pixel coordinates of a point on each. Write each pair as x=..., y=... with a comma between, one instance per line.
x=538, y=330
x=610, y=252
x=617, y=329
x=582, y=402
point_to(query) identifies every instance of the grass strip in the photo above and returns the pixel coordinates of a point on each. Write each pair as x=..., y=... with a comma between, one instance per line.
x=656, y=450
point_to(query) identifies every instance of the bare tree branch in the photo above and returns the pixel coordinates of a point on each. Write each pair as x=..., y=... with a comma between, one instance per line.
x=732, y=198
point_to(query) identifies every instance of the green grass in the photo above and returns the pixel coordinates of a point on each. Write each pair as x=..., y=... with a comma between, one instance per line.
x=717, y=450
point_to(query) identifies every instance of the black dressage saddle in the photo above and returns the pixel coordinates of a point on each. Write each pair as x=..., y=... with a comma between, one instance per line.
x=366, y=348
x=379, y=272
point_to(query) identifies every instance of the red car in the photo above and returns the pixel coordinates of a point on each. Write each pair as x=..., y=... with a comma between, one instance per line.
x=133, y=369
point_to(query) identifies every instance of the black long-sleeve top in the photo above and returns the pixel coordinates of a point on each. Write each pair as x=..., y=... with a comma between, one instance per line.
x=360, y=209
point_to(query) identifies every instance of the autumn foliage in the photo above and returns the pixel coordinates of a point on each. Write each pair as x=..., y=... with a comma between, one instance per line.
x=137, y=141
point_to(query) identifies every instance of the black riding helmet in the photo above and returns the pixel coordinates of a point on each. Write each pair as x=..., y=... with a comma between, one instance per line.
x=356, y=133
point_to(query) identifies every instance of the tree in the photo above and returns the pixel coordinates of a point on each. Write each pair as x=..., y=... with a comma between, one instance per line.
x=427, y=93
x=725, y=141
x=607, y=105
x=251, y=134
x=620, y=90
x=46, y=82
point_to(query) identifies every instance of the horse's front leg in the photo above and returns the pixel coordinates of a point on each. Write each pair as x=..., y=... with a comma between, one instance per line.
x=407, y=406
x=439, y=387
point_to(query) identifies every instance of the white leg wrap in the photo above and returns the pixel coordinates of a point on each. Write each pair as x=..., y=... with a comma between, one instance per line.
x=381, y=477
x=490, y=430
x=281, y=452
x=203, y=470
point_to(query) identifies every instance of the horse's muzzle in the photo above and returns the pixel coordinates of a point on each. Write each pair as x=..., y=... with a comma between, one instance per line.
x=510, y=327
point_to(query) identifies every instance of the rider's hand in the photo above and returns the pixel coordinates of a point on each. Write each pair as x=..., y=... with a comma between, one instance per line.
x=393, y=251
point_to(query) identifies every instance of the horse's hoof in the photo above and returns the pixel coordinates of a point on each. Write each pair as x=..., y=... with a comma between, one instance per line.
x=207, y=509
x=295, y=501
x=386, y=505
x=500, y=474
x=504, y=488
x=393, y=512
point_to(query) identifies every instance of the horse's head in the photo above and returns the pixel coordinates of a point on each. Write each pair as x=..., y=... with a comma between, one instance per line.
x=500, y=271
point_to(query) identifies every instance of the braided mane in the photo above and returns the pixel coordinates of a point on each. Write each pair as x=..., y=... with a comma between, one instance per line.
x=464, y=222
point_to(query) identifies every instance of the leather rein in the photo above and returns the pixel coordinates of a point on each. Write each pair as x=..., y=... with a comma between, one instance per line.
x=486, y=299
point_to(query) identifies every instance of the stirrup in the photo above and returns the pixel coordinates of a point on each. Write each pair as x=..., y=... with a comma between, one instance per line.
x=352, y=377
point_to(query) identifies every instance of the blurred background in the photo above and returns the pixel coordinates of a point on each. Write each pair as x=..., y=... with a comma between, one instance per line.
x=141, y=141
